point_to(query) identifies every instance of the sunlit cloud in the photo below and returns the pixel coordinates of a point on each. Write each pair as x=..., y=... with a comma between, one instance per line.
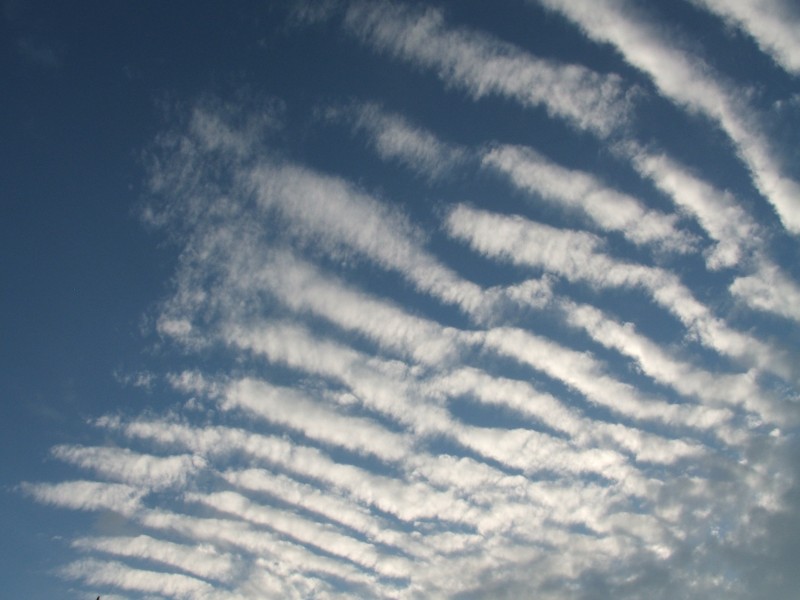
x=609, y=209
x=772, y=23
x=689, y=81
x=484, y=65
x=361, y=396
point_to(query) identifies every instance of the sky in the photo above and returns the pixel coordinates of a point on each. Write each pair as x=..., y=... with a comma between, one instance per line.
x=396, y=299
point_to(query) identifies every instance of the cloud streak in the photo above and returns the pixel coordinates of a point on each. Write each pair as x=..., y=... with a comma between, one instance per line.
x=483, y=65
x=577, y=256
x=693, y=84
x=361, y=395
x=773, y=24
x=609, y=209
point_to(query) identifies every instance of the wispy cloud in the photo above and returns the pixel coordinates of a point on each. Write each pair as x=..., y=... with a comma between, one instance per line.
x=578, y=256
x=343, y=440
x=774, y=24
x=692, y=83
x=736, y=233
x=768, y=288
x=288, y=407
x=202, y=561
x=484, y=65
x=142, y=470
x=715, y=389
x=578, y=191
x=740, y=241
x=122, y=576
x=87, y=495
x=395, y=138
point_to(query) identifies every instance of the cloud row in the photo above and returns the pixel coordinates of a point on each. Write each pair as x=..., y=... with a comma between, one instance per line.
x=364, y=416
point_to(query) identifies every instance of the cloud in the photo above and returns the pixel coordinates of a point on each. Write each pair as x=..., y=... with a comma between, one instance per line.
x=272, y=564
x=124, y=465
x=740, y=241
x=288, y=407
x=87, y=495
x=340, y=217
x=484, y=65
x=308, y=532
x=577, y=256
x=715, y=389
x=122, y=576
x=690, y=82
x=394, y=138
x=609, y=209
x=352, y=415
x=773, y=24
x=735, y=232
x=202, y=561
x=769, y=289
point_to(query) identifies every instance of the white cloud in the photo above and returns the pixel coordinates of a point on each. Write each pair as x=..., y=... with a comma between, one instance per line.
x=526, y=400
x=584, y=373
x=292, y=569
x=769, y=289
x=484, y=65
x=394, y=138
x=142, y=470
x=289, y=407
x=736, y=234
x=338, y=216
x=202, y=561
x=343, y=440
x=609, y=209
x=87, y=495
x=305, y=288
x=105, y=573
x=690, y=82
x=319, y=535
x=716, y=389
x=332, y=507
x=577, y=256
x=740, y=241
x=774, y=24
x=407, y=502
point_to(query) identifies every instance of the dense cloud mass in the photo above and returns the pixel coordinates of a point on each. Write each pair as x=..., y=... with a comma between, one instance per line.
x=532, y=376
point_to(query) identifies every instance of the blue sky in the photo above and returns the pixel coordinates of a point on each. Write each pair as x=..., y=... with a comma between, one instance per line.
x=405, y=300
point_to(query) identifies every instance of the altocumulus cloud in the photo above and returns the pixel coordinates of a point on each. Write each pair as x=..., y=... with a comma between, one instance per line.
x=560, y=380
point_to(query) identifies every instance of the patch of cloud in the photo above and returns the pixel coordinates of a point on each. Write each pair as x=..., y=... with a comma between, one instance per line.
x=87, y=495
x=736, y=233
x=484, y=65
x=124, y=465
x=138, y=379
x=773, y=24
x=110, y=573
x=577, y=256
x=609, y=209
x=354, y=444
x=713, y=389
x=769, y=289
x=202, y=561
x=740, y=242
x=396, y=139
x=690, y=82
